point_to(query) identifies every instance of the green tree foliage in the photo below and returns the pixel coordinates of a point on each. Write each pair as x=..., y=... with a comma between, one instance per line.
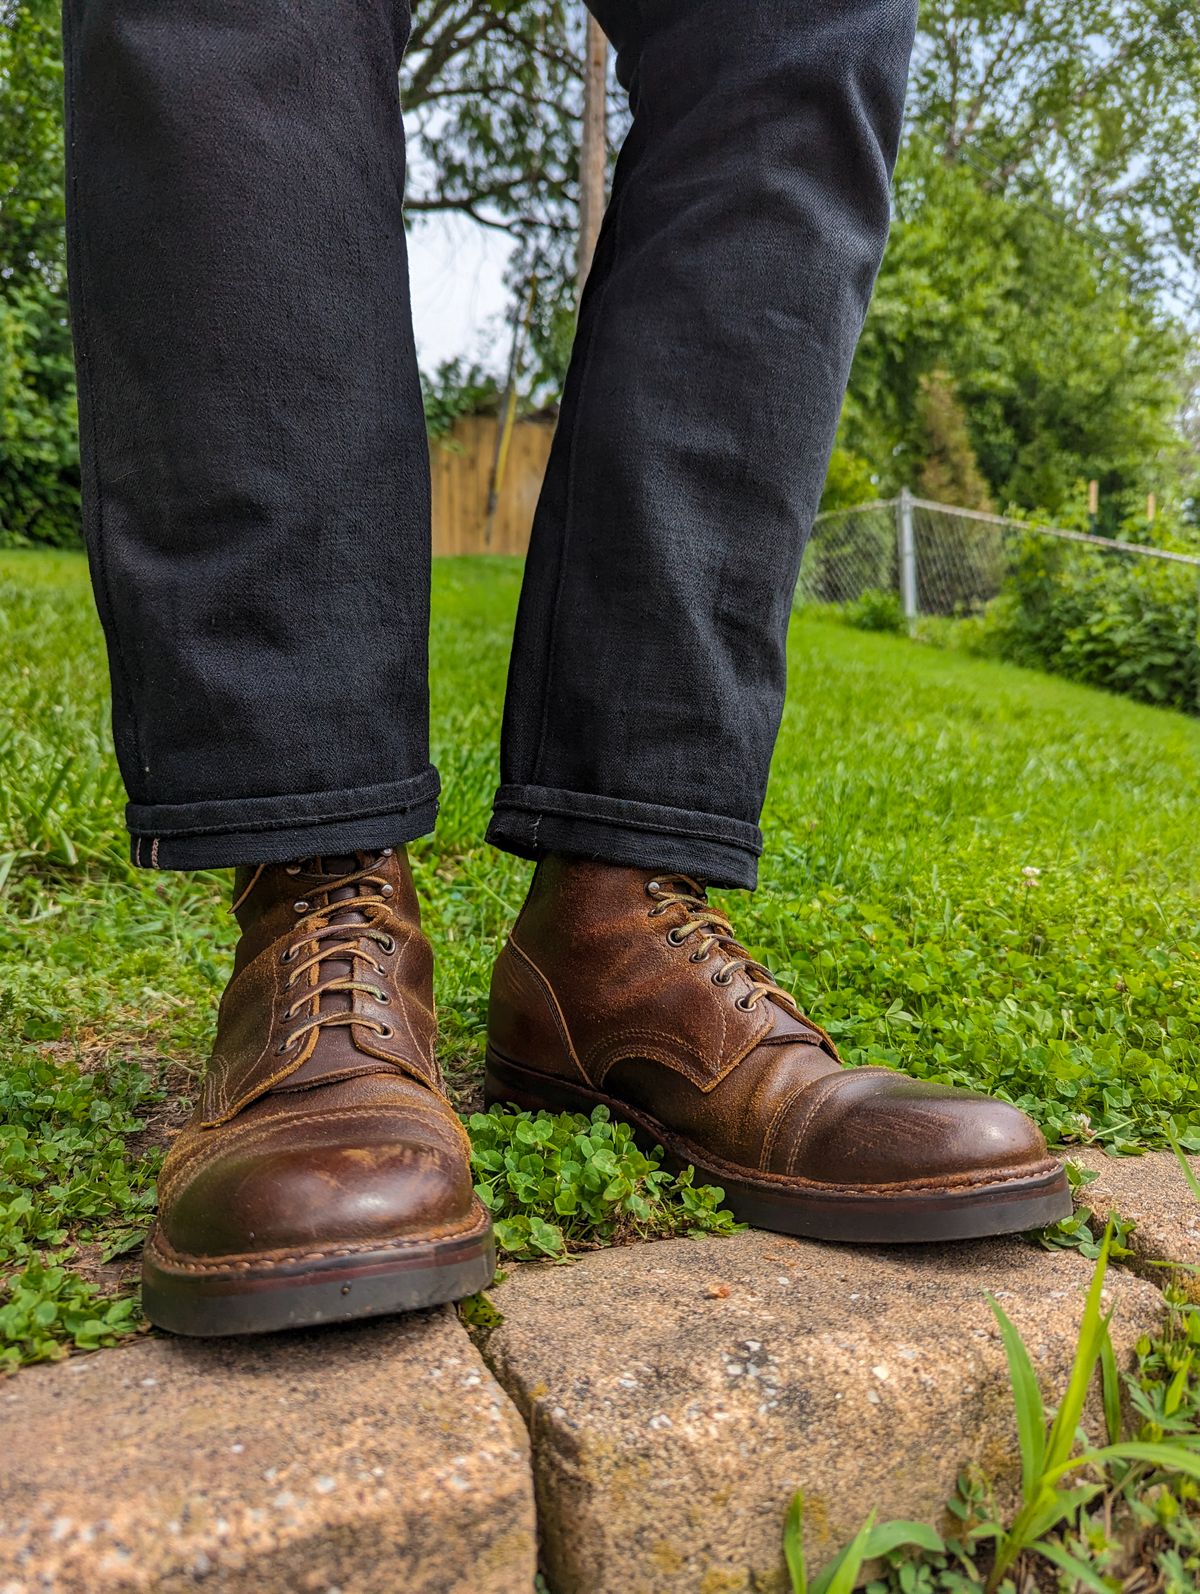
x=1065, y=368
x=1089, y=106
x=1045, y=249
x=39, y=473
x=950, y=472
x=493, y=95
x=1044, y=254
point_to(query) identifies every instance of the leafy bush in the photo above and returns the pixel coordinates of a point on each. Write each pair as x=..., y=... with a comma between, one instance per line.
x=566, y=1182
x=848, y=481
x=876, y=610
x=39, y=468
x=456, y=388
x=1128, y=624
x=39, y=462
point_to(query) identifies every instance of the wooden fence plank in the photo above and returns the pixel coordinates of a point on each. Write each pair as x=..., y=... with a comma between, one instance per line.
x=460, y=472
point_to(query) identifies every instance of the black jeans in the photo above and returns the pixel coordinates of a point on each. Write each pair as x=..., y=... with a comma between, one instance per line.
x=255, y=461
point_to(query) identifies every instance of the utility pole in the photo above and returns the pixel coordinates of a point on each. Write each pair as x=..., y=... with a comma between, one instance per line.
x=593, y=148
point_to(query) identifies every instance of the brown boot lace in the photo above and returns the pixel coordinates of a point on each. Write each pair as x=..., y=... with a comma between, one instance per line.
x=325, y=937
x=714, y=932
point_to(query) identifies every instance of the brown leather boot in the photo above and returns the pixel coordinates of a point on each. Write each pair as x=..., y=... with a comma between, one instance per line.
x=323, y=1175
x=627, y=988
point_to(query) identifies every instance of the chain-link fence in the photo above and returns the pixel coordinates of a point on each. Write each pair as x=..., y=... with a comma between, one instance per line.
x=937, y=559
x=1117, y=614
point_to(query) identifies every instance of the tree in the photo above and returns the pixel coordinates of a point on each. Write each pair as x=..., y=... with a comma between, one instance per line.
x=1044, y=253
x=39, y=471
x=31, y=146
x=1065, y=368
x=950, y=472
x=1091, y=105
x=492, y=93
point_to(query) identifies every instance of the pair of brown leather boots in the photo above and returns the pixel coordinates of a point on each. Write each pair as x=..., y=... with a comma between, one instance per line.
x=324, y=1174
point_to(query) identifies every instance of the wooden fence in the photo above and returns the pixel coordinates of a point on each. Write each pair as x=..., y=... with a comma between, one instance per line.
x=461, y=473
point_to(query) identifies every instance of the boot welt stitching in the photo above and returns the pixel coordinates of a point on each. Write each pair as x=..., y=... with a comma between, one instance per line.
x=704, y=1159
x=950, y=1183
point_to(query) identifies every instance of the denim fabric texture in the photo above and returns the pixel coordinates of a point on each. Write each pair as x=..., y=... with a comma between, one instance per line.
x=255, y=463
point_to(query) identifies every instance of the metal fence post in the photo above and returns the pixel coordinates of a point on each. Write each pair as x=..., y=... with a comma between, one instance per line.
x=907, y=550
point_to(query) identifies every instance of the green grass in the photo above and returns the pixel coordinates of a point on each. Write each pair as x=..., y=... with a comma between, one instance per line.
x=915, y=794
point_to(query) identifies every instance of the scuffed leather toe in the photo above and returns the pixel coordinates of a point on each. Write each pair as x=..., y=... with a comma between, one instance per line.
x=869, y=1124
x=349, y=1175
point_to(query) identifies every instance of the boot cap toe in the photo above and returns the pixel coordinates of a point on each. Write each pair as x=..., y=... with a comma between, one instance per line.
x=339, y=1178
x=875, y=1127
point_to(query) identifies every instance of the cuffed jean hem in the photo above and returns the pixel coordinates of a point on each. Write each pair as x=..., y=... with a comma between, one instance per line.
x=532, y=821
x=217, y=835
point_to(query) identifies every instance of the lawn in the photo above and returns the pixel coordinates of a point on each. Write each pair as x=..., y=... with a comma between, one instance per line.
x=975, y=873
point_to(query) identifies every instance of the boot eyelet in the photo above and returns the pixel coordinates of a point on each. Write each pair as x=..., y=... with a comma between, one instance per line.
x=653, y=888
x=301, y=906
x=699, y=957
x=744, y=1006
x=719, y=979
x=382, y=997
x=388, y=851
x=292, y=868
x=386, y=890
x=674, y=937
x=286, y=957
x=387, y=945
x=385, y=1032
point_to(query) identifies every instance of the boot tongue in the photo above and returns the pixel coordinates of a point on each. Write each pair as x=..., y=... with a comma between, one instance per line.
x=786, y=1022
x=335, y=868
x=342, y=908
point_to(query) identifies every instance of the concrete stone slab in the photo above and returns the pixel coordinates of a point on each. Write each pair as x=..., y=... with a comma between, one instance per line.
x=679, y=1393
x=381, y=1459
x=1151, y=1190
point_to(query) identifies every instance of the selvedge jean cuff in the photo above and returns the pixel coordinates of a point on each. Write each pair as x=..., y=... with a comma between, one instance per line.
x=218, y=835
x=532, y=821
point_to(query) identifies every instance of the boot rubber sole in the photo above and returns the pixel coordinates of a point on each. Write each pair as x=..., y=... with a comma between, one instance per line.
x=200, y=1297
x=897, y=1215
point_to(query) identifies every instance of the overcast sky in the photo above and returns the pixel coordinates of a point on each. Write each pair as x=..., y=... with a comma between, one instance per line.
x=458, y=296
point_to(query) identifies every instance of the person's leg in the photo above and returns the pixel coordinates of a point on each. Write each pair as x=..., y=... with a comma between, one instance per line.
x=257, y=513
x=748, y=217
x=255, y=465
